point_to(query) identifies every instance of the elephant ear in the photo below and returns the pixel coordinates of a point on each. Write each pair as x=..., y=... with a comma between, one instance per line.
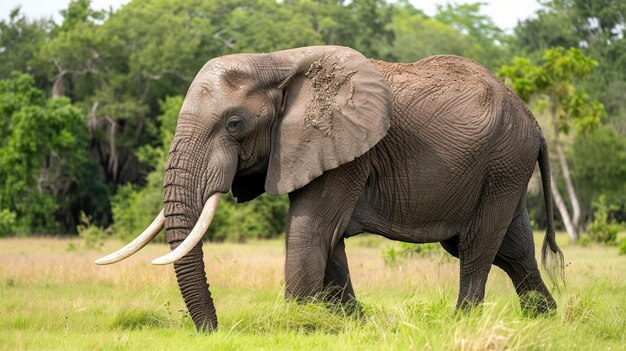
x=336, y=106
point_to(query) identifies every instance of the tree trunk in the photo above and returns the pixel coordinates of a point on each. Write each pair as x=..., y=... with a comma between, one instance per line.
x=112, y=167
x=571, y=223
x=571, y=230
x=58, y=87
x=571, y=192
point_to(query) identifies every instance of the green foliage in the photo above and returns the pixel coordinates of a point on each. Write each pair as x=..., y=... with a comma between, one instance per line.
x=134, y=208
x=395, y=254
x=264, y=217
x=601, y=230
x=467, y=18
x=92, y=235
x=7, y=222
x=596, y=27
x=486, y=40
x=42, y=155
x=622, y=247
x=553, y=81
x=455, y=29
x=599, y=165
x=20, y=42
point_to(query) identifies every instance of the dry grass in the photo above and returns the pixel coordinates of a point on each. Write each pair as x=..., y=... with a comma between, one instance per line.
x=228, y=265
x=250, y=266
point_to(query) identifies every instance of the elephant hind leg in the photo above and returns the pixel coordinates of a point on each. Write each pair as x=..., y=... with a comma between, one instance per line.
x=478, y=247
x=516, y=257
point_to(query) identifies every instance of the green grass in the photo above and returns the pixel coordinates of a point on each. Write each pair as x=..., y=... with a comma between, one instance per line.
x=55, y=298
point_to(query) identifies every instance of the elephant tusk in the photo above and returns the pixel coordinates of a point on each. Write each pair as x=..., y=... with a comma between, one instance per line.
x=196, y=233
x=142, y=240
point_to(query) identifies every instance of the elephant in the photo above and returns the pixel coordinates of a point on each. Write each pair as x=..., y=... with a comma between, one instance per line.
x=439, y=150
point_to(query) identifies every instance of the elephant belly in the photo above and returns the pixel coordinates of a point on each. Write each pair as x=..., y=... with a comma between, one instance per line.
x=431, y=210
x=420, y=233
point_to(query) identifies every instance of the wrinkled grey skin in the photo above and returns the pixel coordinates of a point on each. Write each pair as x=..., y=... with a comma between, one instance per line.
x=435, y=151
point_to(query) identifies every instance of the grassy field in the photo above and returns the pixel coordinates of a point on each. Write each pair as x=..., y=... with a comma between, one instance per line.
x=52, y=296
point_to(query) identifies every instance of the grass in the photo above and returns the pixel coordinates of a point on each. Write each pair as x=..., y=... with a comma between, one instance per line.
x=52, y=296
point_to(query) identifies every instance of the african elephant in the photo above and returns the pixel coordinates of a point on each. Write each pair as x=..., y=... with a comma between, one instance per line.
x=433, y=151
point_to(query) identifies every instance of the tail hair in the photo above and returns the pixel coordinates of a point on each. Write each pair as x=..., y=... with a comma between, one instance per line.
x=552, y=259
x=553, y=262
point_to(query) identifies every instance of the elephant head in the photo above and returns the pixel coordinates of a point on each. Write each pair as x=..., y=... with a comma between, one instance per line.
x=259, y=123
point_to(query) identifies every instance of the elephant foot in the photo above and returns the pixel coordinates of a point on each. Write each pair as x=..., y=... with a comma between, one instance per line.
x=207, y=327
x=466, y=308
x=352, y=309
x=344, y=305
x=535, y=304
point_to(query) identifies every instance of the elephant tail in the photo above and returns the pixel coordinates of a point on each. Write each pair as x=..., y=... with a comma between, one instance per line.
x=551, y=255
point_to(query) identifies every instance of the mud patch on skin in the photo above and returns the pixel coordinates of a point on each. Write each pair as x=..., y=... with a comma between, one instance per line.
x=327, y=78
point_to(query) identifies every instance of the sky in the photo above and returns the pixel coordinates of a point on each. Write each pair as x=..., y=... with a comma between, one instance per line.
x=505, y=13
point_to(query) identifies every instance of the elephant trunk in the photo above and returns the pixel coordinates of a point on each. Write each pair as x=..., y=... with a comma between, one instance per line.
x=193, y=285
x=181, y=216
x=190, y=270
x=183, y=196
x=192, y=190
x=197, y=173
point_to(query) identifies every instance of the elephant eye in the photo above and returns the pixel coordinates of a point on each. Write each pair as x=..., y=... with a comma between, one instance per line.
x=234, y=124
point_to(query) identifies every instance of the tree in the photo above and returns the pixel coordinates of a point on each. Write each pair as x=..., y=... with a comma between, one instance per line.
x=552, y=27
x=134, y=207
x=456, y=30
x=271, y=25
x=43, y=158
x=20, y=43
x=488, y=39
x=411, y=29
x=74, y=49
x=598, y=161
x=552, y=82
x=598, y=27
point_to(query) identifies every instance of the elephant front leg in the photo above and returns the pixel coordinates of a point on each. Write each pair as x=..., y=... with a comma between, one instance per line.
x=337, y=282
x=313, y=271
x=318, y=215
x=305, y=265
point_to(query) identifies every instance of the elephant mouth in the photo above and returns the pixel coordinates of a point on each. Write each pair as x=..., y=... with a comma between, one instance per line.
x=196, y=234
x=194, y=237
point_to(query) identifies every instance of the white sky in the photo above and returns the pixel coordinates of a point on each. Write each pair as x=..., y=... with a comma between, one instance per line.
x=505, y=13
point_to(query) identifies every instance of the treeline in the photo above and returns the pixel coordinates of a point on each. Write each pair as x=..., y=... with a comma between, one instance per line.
x=88, y=106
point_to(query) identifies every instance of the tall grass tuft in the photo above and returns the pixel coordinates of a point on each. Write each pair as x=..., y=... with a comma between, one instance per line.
x=141, y=318
x=315, y=316
x=145, y=316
